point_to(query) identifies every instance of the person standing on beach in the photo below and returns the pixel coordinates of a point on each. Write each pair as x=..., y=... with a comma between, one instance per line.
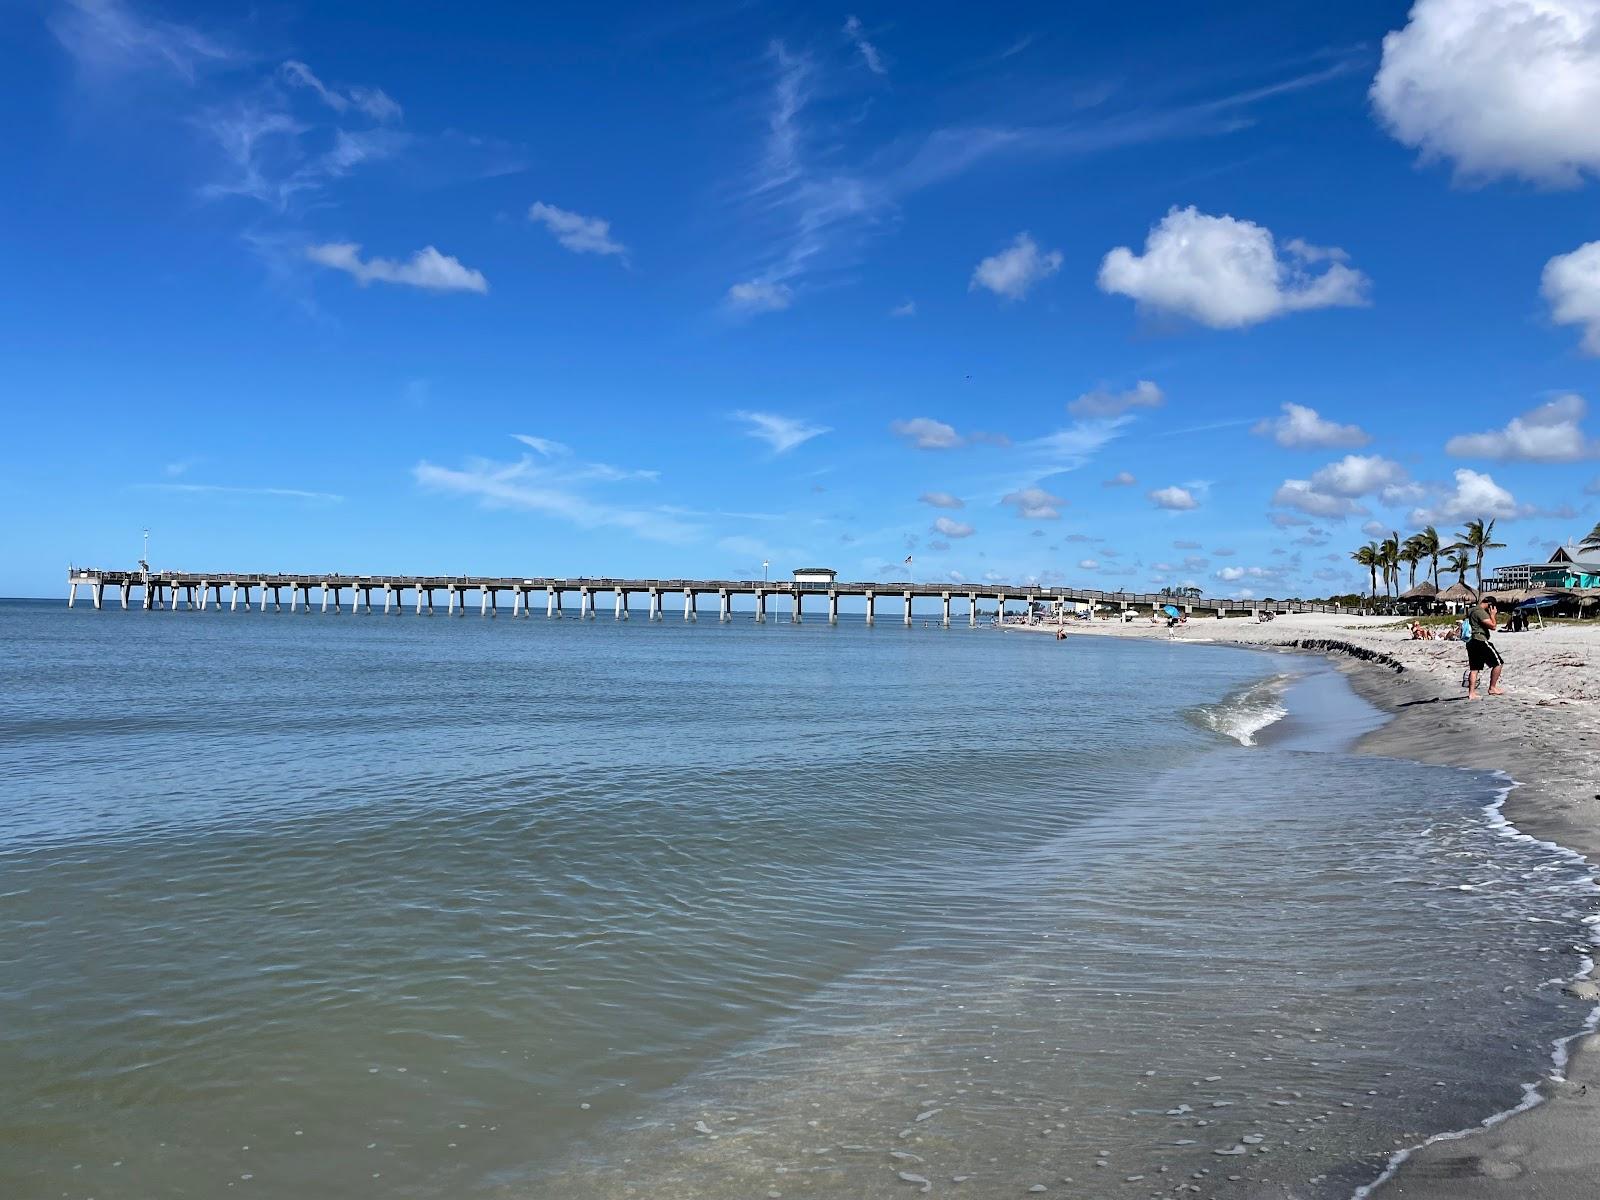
x=1481, y=654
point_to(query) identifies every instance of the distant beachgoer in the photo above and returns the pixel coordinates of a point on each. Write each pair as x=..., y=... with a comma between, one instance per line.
x=1481, y=654
x=1061, y=634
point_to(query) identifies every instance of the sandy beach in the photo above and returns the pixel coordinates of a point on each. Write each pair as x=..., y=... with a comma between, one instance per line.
x=1545, y=734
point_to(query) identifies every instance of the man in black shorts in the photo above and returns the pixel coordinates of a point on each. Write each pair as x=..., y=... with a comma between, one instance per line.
x=1481, y=654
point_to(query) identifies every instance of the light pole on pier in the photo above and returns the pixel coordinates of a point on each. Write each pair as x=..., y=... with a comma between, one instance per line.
x=764, y=565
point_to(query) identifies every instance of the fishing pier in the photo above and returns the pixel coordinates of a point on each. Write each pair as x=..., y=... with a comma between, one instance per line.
x=197, y=591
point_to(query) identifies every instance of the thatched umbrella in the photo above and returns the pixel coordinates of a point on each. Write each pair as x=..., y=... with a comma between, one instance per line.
x=1457, y=593
x=1420, y=598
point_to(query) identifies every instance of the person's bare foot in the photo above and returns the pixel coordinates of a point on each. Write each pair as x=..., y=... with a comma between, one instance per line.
x=1473, y=696
x=1497, y=691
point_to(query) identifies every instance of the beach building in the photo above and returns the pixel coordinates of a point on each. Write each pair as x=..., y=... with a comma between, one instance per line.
x=1567, y=567
x=1512, y=577
x=815, y=575
x=1566, y=571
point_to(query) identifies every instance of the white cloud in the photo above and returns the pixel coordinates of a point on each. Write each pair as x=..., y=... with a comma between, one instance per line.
x=1500, y=87
x=942, y=500
x=1332, y=491
x=427, y=268
x=1571, y=286
x=576, y=232
x=1143, y=394
x=927, y=434
x=781, y=433
x=1035, y=504
x=1358, y=475
x=1374, y=529
x=1225, y=273
x=1299, y=494
x=907, y=309
x=1550, y=433
x=1120, y=479
x=374, y=102
x=1088, y=564
x=1474, y=495
x=1233, y=574
x=1014, y=270
x=759, y=296
x=1175, y=498
x=953, y=529
x=1302, y=428
x=869, y=52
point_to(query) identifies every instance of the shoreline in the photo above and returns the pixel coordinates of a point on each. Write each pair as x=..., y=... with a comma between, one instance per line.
x=1535, y=736
x=1547, y=1145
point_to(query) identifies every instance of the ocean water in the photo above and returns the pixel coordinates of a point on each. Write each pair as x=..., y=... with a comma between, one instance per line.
x=347, y=906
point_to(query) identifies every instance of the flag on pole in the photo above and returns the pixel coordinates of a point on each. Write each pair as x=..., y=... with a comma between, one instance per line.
x=908, y=558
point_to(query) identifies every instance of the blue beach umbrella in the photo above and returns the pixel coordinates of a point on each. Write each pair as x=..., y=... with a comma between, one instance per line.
x=1171, y=610
x=1537, y=602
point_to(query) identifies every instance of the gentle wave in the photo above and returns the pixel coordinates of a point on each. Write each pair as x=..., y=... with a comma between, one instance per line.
x=1243, y=714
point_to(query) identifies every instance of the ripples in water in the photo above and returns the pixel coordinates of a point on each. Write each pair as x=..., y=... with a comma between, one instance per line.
x=511, y=908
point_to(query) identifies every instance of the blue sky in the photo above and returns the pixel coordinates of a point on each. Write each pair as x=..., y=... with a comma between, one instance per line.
x=1113, y=296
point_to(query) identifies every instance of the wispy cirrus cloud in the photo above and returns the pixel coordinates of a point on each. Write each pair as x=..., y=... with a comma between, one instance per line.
x=227, y=490
x=563, y=488
x=854, y=31
x=108, y=37
x=820, y=190
x=270, y=135
x=779, y=432
x=374, y=102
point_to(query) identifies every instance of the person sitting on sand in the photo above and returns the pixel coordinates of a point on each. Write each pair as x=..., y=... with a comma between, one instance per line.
x=1481, y=653
x=1452, y=633
x=1419, y=634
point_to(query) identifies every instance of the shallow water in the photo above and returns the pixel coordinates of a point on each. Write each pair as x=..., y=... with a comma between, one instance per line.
x=408, y=907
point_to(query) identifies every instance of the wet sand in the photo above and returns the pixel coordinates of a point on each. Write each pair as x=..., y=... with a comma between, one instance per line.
x=1545, y=734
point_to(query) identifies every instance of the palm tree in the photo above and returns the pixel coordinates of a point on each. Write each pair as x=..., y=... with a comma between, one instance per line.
x=1389, y=559
x=1478, y=538
x=1431, y=547
x=1367, y=556
x=1411, y=554
x=1592, y=540
x=1458, y=562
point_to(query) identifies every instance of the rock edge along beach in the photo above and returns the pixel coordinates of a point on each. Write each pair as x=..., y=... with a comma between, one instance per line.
x=1545, y=734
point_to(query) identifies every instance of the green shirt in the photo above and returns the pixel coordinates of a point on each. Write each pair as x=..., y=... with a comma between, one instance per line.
x=1479, y=616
